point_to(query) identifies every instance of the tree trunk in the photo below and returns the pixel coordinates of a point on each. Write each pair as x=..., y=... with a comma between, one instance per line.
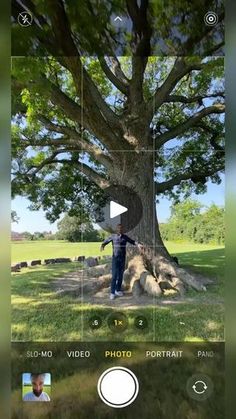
x=153, y=270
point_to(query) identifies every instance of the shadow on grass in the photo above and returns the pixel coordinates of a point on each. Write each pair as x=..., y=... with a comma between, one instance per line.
x=31, y=281
x=64, y=320
x=40, y=314
x=212, y=261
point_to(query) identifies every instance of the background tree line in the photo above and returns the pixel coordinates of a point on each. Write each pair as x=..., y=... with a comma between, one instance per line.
x=191, y=221
x=73, y=229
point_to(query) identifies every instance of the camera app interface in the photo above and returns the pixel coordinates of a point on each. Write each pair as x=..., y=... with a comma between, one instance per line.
x=118, y=209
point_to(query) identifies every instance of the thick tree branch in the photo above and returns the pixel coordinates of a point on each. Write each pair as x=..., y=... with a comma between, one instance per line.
x=109, y=62
x=70, y=108
x=197, y=98
x=195, y=176
x=141, y=46
x=115, y=76
x=73, y=111
x=216, y=48
x=116, y=67
x=92, y=98
x=136, y=84
x=180, y=69
x=101, y=181
x=189, y=123
x=61, y=28
x=103, y=122
x=141, y=27
x=215, y=135
x=45, y=162
x=45, y=141
x=79, y=140
x=92, y=101
x=112, y=137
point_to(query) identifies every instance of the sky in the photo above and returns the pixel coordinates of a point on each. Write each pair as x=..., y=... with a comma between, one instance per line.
x=26, y=378
x=36, y=221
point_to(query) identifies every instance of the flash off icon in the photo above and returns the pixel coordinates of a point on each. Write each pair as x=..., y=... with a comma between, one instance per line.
x=25, y=19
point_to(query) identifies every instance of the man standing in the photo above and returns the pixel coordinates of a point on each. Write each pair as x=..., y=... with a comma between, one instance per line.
x=119, y=241
x=37, y=394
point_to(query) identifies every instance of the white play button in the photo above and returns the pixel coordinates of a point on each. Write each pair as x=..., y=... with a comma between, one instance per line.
x=116, y=209
x=118, y=387
x=119, y=205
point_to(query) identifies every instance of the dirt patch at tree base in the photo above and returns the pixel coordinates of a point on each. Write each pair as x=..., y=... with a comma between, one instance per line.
x=94, y=291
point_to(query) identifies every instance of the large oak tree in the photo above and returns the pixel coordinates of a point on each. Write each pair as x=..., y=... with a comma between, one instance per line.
x=85, y=118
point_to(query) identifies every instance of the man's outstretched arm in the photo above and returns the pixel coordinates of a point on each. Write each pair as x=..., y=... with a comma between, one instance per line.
x=134, y=243
x=105, y=242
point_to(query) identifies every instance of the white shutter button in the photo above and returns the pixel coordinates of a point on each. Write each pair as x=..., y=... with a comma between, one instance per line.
x=118, y=387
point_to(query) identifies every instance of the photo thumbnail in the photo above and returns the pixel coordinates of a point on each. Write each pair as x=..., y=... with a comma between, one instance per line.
x=36, y=387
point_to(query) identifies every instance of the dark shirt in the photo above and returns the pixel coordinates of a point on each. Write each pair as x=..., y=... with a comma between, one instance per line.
x=119, y=242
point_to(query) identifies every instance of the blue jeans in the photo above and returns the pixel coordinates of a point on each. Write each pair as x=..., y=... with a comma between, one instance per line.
x=118, y=267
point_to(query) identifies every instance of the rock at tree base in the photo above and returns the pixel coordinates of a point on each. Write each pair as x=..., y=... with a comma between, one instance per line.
x=96, y=271
x=49, y=261
x=137, y=290
x=35, y=262
x=91, y=261
x=150, y=285
x=62, y=260
x=23, y=264
x=80, y=258
x=15, y=268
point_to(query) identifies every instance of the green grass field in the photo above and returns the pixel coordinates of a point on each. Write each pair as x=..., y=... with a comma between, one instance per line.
x=39, y=314
x=29, y=250
x=43, y=249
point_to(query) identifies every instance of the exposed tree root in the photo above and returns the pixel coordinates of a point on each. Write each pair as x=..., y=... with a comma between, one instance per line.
x=146, y=272
x=154, y=273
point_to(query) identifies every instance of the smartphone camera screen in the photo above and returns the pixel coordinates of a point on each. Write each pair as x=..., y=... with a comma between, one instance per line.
x=118, y=209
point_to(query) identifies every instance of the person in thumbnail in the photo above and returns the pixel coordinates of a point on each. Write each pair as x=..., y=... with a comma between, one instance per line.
x=37, y=394
x=119, y=241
